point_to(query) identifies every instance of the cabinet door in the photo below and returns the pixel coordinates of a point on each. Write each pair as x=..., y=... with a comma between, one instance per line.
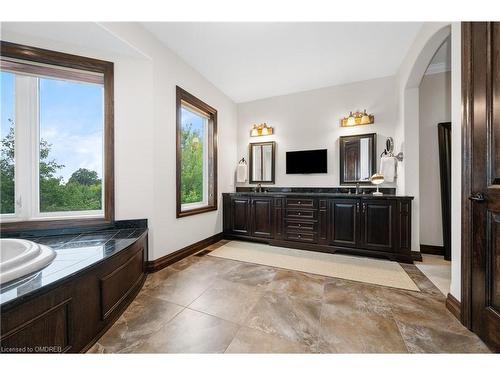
x=377, y=224
x=262, y=217
x=240, y=215
x=323, y=222
x=278, y=218
x=344, y=222
x=404, y=225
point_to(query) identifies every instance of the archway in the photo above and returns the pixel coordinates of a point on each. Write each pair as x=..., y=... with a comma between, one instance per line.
x=430, y=38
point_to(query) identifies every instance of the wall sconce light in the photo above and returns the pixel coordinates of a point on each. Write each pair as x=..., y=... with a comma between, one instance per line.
x=260, y=130
x=357, y=118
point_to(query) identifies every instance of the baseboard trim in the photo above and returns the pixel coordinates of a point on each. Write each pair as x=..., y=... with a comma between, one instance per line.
x=416, y=256
x=167, y=260
x=453, y=305
x=432, y=249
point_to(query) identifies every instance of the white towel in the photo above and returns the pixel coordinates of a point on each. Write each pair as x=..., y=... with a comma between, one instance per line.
x=241, y=172
x=388, y=168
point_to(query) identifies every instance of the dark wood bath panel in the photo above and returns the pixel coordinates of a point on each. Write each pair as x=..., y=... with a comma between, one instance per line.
x=70, y=316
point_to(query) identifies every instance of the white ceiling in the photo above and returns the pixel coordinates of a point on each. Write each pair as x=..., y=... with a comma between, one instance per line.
x=250, y=61
x=82, y=34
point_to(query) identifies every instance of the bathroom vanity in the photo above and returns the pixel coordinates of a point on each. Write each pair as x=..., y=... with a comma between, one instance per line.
x=361, y=224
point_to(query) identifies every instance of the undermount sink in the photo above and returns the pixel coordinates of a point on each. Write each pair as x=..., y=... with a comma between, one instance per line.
x=19, y=258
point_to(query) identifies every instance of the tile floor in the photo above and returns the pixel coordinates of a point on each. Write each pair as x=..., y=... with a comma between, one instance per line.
x=437, y=270
x=204, y=304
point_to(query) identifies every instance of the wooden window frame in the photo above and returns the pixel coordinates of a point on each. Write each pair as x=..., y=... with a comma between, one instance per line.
x=106, y=68
x=184, y=96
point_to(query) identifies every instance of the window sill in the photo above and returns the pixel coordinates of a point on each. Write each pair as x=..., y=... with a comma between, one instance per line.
x=13, y=219
x=54, y=223
x=196, y=211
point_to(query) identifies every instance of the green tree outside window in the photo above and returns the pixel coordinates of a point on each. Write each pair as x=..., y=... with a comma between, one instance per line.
x=82, y=192
x=191, y=166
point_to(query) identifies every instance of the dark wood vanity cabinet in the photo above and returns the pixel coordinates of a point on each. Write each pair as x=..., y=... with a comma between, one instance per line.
x=261, y=217
x=344, y=222
x=240, y=215
x=365, y=224
x=377, y=224
x=252, y=216
x=374, y=226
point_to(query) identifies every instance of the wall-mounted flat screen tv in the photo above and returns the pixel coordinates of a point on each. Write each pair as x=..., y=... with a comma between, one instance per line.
x=309, y=161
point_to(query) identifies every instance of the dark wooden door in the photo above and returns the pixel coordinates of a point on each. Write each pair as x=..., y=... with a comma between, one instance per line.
x=377, y=224
x=444, y=143
x=240, y=215
x=481, y=163
x=344, y=222
x=262, y=217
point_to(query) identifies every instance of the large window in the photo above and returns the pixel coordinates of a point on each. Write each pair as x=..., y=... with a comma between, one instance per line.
x=196, y=155
x=56, y=137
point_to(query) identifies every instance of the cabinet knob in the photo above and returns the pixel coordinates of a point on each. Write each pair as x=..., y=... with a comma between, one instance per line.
x=300, y=236
x=298, y=213
x=299, y=202
x=299, y=225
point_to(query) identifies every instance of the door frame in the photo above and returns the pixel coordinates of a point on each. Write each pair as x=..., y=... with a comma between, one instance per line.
x=444, y=142
x=467, y=112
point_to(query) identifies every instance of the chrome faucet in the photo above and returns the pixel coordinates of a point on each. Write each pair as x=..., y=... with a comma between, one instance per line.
x=258, y=189
x=357, y=188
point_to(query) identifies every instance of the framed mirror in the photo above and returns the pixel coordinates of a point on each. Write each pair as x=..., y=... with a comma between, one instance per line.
x=262, y=167
x=358, y=159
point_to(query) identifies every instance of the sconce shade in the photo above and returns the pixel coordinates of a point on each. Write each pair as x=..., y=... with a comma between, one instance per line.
x=351, y=121
x=357, y=118
x=261, y=130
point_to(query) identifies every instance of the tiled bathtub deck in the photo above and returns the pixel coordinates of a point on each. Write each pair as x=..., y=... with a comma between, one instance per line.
x=205, y=304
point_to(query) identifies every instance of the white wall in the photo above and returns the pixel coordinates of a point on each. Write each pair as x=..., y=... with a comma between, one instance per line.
x=145, y=133
x=170, y=233
x=428, y=40
x=435, y=107
x=414, y=65
x=311, y=120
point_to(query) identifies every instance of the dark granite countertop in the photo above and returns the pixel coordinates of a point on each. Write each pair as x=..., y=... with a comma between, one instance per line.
x=75, y=252
x=318, y=194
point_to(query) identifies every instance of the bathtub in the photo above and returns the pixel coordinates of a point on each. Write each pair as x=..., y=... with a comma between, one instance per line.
x=19, y=258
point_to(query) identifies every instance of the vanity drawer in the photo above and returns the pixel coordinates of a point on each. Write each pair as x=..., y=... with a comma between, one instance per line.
x=301, y=214
x=307, y=226
x=300, y=203
x=301, y=237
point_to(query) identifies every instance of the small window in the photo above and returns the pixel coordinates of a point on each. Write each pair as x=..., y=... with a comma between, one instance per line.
x=196, y=155
x=56, y=129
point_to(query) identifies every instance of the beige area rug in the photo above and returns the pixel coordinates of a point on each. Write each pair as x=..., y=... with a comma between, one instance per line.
x=367, y=270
